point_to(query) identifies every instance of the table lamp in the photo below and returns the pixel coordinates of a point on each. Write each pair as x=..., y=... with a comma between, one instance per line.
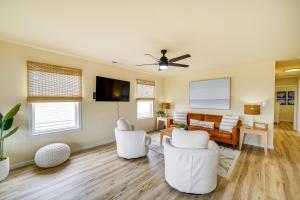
x=251, y=110
x=166, y=107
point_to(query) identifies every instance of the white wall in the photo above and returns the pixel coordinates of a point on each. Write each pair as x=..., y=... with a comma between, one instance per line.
x=249, y=84
x=98, y=118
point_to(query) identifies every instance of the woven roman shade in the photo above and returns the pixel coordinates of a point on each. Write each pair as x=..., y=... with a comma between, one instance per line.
x=145, y=89
x=53, y=83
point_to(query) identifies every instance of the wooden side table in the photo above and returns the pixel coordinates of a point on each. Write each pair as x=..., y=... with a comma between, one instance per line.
x=163, y=119
x=255, y=131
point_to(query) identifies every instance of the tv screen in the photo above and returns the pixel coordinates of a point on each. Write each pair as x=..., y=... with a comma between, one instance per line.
x=108, y=89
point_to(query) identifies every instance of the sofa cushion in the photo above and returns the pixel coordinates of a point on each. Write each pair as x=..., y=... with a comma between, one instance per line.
x=123, y=125
x=180, y=117
x=190, y=139
x=228, y=122
x=204, y=124
x=213, y=118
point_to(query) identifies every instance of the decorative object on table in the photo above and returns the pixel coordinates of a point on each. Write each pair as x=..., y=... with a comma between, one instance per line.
x=254, y=131
x=251, y=110
x=164, y=123
x=52, y=155
x=291, y=97
x=161, y=113
x=6, y=123
x=166, y=106
x=281, y=97
x=213, y=93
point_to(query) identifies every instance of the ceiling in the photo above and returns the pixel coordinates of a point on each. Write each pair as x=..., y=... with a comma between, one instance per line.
x=282, y=65
x=216, y=33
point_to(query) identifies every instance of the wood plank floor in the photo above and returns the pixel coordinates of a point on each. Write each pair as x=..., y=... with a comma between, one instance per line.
x=100, y=174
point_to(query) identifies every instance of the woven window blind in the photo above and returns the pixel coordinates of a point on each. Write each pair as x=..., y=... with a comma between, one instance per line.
x=145, y=89
x=53, y=83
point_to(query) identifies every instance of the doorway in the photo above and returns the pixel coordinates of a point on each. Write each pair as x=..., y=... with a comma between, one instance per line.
x=286, y=111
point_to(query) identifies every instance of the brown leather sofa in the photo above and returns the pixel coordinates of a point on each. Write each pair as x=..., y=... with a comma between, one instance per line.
x=215, y=134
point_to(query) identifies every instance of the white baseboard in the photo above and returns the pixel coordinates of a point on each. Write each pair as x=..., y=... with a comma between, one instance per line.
x=75, y=150
x=21, y=164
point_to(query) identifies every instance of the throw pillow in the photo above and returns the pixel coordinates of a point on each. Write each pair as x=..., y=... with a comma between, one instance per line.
x=123, y=125
x=179, y=117
x=204, y=124
x=228, y=122
x=190, y=139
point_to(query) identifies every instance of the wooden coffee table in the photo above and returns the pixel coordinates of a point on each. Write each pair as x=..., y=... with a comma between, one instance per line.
x=167, y=131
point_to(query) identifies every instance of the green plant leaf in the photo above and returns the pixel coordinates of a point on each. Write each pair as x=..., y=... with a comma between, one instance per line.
x=12, y=112
x=8, y=123
x=1, y=116
x=11, y=133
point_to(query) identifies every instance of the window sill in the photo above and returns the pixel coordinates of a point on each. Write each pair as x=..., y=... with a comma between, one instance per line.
x=145, y=118
x=54, y=132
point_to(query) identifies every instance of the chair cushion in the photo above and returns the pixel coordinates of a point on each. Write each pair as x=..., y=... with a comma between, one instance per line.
x=190, y=139
x=228, y=122
x=180, y=117
x=123, y=125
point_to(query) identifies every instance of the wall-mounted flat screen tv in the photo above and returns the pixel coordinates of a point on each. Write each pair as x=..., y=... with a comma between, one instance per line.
x=108, y=89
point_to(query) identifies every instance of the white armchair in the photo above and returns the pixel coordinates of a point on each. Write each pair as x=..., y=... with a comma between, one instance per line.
x=191, y=170
x=130, y=143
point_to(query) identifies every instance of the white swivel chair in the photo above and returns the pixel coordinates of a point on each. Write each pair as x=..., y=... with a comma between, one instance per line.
x=130, y=143
x=191, y=162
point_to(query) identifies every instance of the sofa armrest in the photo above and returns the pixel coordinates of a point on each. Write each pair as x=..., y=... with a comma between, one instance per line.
x=236, y=132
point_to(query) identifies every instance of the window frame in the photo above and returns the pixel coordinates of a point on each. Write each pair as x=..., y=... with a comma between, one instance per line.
x=31, y=121
x=152, y=110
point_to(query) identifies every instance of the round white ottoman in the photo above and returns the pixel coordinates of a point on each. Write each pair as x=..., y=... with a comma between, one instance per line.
x=52, y=155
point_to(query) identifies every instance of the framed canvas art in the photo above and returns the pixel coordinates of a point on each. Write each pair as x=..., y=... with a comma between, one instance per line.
x=211, y=94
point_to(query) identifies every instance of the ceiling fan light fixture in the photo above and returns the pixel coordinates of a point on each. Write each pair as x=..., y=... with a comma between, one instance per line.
x=163, y=67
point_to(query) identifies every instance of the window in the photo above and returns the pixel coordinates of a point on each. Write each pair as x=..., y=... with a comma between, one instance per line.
x=145, y=98
x=144, y=109
x=54, y=117
x=54, y=95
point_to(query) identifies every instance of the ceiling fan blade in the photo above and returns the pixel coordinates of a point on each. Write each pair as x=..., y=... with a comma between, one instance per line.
x=177, y=65
x=147, y=64
x=180, y=58
x=152, y=56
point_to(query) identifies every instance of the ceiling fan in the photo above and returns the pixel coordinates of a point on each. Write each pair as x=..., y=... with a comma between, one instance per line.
x=164, y=62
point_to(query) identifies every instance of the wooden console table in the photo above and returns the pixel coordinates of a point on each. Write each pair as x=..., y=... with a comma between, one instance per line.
x=255, y=131
x=164, y=120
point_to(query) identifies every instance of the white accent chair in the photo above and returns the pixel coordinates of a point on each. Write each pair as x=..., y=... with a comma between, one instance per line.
x=191, y=170
x=130, y=143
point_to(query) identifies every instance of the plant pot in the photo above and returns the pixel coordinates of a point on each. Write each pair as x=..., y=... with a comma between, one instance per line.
x=4, y=169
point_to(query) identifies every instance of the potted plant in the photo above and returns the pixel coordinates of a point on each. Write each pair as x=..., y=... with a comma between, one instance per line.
x=160, y=113
x=6, y=123
x=182, y=126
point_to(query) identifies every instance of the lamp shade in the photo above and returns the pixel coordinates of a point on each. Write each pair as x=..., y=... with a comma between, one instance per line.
x=165, y=105
x=251, y=109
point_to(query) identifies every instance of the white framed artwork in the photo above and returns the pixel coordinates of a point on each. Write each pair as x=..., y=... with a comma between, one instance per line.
x=210, y=94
